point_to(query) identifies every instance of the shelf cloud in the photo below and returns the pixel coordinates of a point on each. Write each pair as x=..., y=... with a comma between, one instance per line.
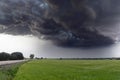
x=68, y=23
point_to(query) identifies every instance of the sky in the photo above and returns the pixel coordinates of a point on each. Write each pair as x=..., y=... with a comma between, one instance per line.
x=32, y=45
x=61, y=28
x=25, y=44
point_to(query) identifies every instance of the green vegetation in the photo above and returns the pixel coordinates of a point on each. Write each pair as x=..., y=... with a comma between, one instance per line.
x=8, y=72
x=13, y=56
x=70, y=70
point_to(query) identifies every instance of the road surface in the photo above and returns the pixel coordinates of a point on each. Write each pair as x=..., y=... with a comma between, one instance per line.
x=2, y=63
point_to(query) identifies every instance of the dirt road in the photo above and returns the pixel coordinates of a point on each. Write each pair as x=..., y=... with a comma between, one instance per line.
x=2, y=63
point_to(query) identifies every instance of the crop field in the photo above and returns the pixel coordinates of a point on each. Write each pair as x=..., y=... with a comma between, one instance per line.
x=69, y=70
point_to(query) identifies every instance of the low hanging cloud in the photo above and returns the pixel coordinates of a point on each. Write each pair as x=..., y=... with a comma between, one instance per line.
x=72, y=23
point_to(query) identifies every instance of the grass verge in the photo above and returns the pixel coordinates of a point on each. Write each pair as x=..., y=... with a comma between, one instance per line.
x=8, y=72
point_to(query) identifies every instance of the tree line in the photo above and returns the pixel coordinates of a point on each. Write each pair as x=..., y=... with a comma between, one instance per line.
x=13, y=56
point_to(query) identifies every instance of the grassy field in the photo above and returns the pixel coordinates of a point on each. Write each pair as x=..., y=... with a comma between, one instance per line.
x=70, y=70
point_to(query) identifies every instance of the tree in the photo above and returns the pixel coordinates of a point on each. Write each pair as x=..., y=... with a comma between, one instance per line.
x=13, y=57
x=17, y=56
x=32, y=56
x=4, y=56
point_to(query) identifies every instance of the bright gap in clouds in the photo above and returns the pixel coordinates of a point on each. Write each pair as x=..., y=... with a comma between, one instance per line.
x=25, y=44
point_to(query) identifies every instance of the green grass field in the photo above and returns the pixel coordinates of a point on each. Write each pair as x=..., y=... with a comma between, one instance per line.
x=69, y=70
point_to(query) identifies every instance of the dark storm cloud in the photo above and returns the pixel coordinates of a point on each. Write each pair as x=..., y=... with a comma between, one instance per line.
x=17, y=16
x=66, y=22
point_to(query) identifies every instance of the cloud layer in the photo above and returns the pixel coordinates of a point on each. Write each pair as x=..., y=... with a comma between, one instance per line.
x=72, y=23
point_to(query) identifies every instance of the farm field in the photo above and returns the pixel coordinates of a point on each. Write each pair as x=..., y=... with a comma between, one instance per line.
x=69, y=70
